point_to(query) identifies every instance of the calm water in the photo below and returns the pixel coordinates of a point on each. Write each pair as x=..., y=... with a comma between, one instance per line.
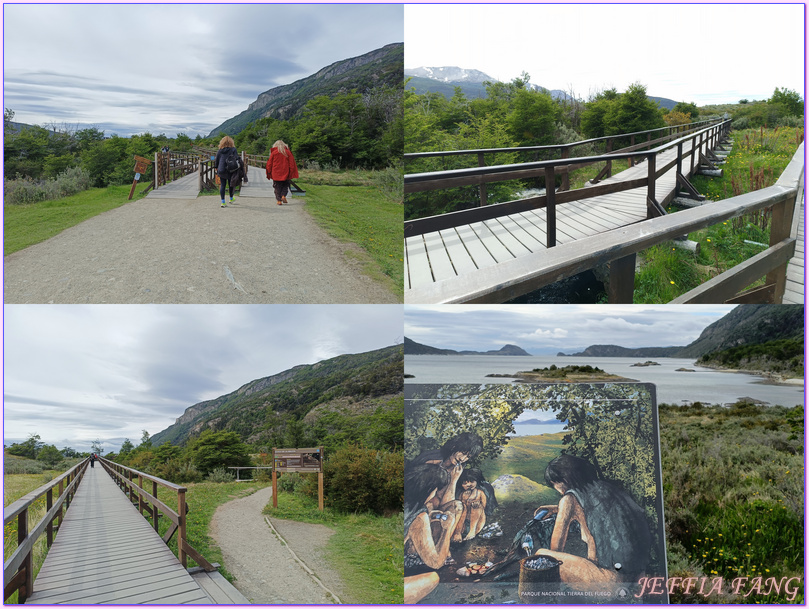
x=673, y=387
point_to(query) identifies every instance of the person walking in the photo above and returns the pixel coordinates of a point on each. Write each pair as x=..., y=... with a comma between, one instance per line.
x=281, y=169
x=92, y=459
x=226, y=149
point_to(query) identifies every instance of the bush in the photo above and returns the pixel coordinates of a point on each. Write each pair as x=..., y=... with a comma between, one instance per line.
x=22, y=466
x=177, y=471
x=293, y=481
x=220, y=474
x=361, y=480
x=25, y=190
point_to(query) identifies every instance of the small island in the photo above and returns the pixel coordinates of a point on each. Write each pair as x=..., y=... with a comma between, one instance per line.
x=644, y=364
x=563, y=374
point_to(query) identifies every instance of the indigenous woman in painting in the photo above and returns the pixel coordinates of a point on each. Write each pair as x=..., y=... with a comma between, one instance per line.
x=424, y=552
x=451, y=457
x=613, y=526
x=478, y=500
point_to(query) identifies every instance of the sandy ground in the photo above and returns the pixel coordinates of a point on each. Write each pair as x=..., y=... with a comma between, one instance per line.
x=266, y=571
x=192, y=251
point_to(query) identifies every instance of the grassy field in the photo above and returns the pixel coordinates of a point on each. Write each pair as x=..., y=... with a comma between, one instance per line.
x=367, y=550
x=360, y=215
x=26, y=225
x=734, y=495
x=757, y=159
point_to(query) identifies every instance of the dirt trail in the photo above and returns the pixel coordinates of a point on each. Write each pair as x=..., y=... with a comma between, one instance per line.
x=266, y=571
x=192, y=251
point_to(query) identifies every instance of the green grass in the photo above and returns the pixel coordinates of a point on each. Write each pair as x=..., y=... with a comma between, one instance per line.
x=362, y=215
x=366, y=550
x=733, y=489
x=26, y=225
x=757, y=160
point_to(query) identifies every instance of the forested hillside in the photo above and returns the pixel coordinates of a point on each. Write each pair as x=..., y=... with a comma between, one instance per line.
x=348, y=398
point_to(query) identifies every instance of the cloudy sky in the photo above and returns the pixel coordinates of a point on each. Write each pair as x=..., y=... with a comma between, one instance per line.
x=548, y=329
x=705, y=54
x=172, y=68
x=76, y=373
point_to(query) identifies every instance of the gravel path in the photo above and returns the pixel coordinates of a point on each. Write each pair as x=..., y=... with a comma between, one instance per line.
x=265, y=570
x=192, y=251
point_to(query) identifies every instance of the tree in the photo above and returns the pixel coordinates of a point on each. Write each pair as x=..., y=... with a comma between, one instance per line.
x=69, y=453
x=50, y=455
x=533, y=117
x=165, y=452
x=214, y=449
x=126, y=448
x=145, y=440
x=29, y=448
x=790, y=101
x=96, y=447
x=684, y=108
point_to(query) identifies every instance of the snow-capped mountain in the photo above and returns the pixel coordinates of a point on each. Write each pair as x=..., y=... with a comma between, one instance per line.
x=450, y=74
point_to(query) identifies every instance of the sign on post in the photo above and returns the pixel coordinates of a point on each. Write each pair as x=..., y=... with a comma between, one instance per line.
x=302, y=460
x=141, y=166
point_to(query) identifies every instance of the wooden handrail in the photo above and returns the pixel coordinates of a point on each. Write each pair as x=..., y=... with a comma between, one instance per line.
x=125, y=478
x=18, y=570
x=508, y=280
x=482, y=175
x=440, y=153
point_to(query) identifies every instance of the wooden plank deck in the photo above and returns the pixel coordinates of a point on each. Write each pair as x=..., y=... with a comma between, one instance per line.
x=796, y=274
x=257, y=186
x=107, y=553
x=186, y=187
x=463, y=250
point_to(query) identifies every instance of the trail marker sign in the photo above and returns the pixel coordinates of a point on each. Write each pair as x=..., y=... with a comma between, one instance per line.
x=302, y=460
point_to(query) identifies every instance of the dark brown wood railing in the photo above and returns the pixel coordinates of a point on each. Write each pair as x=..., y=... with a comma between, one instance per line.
x=172, y=165
x=699, y=152
x=652, y=137
x=508, y=280
x=18, y=570
x=131, y=482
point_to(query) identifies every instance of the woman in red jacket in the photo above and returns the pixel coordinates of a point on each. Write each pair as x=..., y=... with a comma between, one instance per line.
x=281, y=168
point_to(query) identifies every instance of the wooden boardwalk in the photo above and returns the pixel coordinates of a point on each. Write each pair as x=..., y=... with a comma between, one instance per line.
x=107, y=553
x=796, y=274
x=462, y=250
x=186, y=187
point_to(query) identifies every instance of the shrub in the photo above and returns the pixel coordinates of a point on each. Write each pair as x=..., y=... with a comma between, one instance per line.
x=24, y=190
x=292, y=481
x=22, y=466
x=362, y=480
x=177, y=471
x=220, y=474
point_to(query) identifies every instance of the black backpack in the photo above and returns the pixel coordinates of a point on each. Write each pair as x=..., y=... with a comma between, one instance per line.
x=232, y=161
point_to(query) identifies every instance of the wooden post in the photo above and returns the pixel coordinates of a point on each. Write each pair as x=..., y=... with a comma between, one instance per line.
x=622, y=280
x=565, y=171
x=181, y=539
x=780, y=229
x=483, y=192
x=320, y=491
x=274, y=481
x=28, y=562
x=48, y=506
x=141, y=503
x=609, y=163
x=155, y=511
x=59, y=513
x=632, y=144
x=650, y=188
x=550, y=209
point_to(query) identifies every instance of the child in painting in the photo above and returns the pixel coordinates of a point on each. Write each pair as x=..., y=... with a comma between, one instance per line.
x=477, y=497
x=451, y=457
x=613, y=526
x=424, y=554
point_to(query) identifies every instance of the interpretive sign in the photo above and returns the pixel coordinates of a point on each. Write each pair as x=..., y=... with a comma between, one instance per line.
x=300, y=460
x=552, y=494
x=297, y=460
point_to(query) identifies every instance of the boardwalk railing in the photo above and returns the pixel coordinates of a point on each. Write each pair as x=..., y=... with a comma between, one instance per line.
x=18, y=570
x=131, y=482
x=692, y=151
x=565, y=151
x=172, y=165
x=619, y=247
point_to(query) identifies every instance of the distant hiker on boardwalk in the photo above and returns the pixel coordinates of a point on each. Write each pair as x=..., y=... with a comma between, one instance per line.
x=92, y=460
x=228, y=167
x=281, y=168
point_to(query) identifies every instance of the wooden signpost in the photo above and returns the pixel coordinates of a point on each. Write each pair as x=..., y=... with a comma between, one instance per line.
x=303, y=460
x=141, y=166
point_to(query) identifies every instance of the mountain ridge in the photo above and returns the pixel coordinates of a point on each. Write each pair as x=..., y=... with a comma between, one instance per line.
x=411, y=347
x=363, y=73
